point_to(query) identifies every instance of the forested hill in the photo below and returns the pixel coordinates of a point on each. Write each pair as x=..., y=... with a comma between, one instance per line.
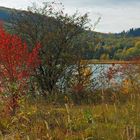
x=5, y=13
x=120, y=46
x=134, y=32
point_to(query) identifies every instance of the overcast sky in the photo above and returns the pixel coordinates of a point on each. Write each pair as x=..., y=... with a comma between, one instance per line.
x=116, y=15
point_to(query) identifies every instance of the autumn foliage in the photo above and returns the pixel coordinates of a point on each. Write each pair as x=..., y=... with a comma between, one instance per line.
x=17, y=64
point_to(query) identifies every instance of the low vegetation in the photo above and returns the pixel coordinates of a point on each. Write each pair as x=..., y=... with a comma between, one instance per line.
x=38, y=120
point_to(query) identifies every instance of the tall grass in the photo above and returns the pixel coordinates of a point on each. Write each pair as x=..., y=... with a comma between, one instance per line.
x=36, y=120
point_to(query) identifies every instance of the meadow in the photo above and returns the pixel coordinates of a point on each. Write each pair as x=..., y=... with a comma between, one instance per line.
x=40, y=121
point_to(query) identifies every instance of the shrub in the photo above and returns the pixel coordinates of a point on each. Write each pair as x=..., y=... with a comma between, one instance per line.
x=16, y=66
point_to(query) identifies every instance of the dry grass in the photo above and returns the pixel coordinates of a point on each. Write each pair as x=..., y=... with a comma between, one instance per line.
x=37, y=120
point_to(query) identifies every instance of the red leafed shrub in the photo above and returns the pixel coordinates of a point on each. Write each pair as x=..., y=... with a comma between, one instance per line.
x=114, y=70
x=17, y=64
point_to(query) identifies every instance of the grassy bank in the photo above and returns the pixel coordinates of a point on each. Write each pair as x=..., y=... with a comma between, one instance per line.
x=40, y=121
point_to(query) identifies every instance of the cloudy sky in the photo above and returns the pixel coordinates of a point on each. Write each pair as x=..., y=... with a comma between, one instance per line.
x=116, y=15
